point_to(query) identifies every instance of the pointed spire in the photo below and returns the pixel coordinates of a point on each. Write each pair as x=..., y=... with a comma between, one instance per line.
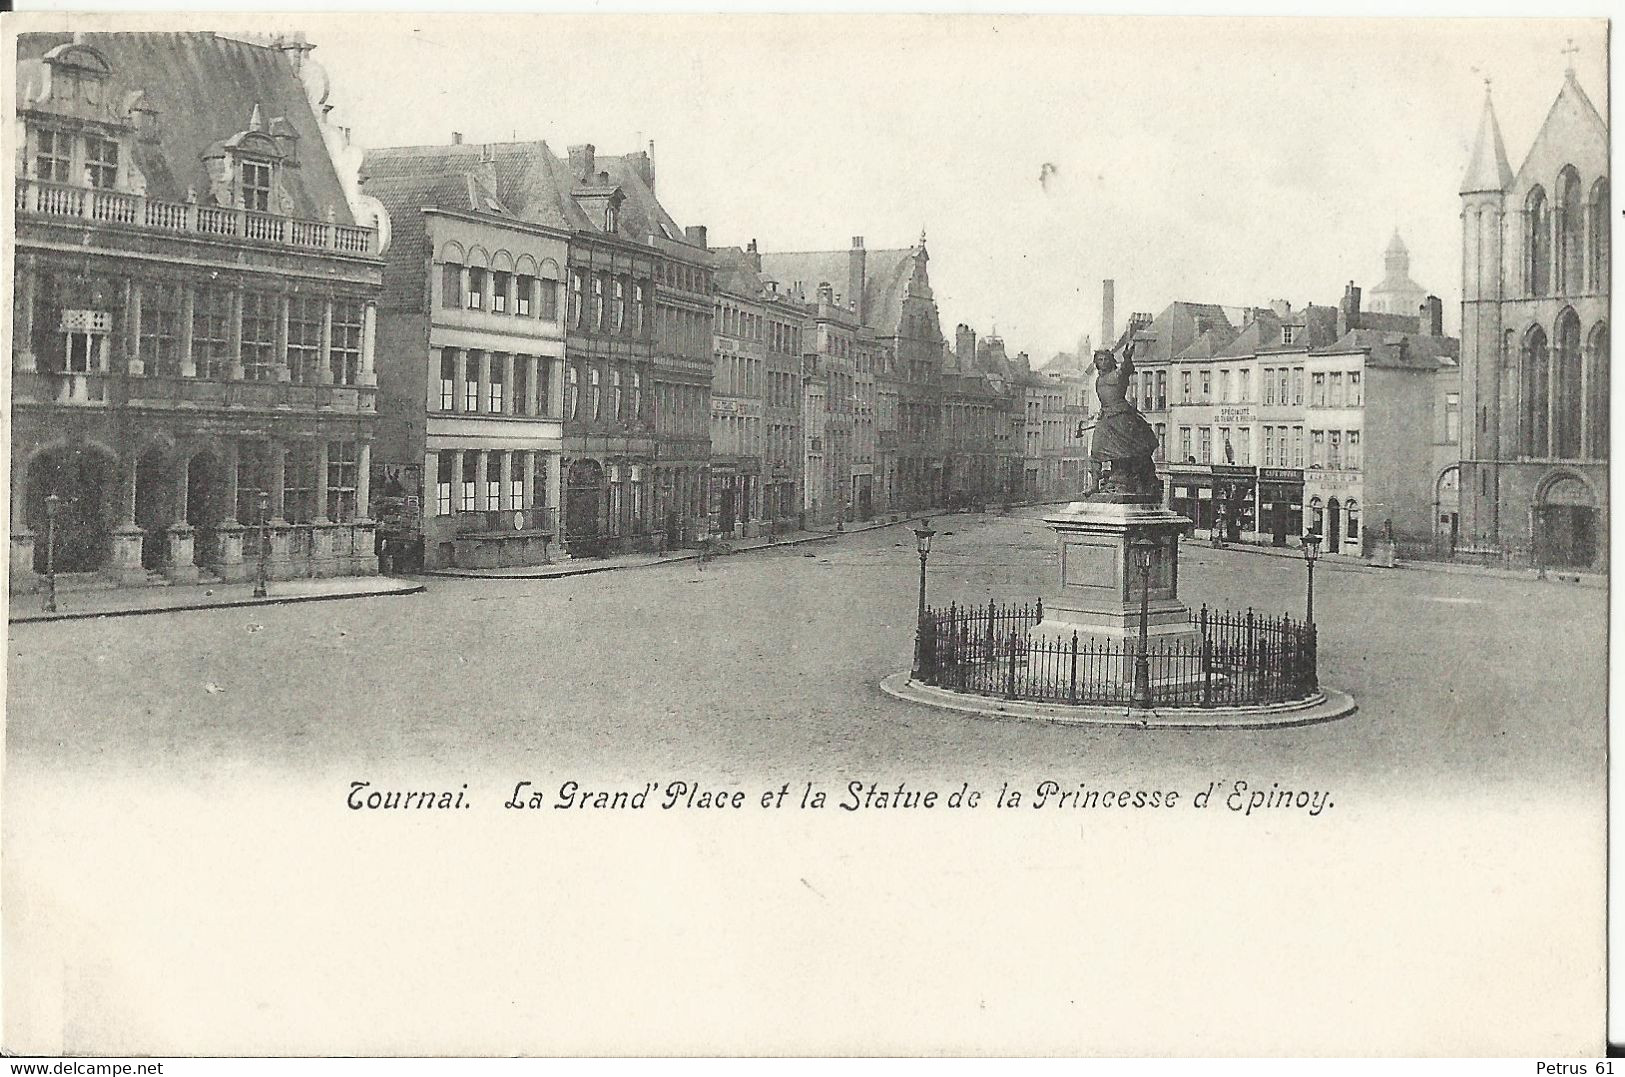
x=254, y=121
x=1487, y=169
x=1571, y=50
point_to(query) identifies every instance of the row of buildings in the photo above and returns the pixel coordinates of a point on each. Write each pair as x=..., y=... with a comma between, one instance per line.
x=239, y=339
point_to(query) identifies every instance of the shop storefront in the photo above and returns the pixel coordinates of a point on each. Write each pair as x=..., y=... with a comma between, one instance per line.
x=1190, y=493
x=1235, y=493
x=1333, y=511
x=1280, y=503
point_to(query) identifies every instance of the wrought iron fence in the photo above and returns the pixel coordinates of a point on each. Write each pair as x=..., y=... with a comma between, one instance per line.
x=1235, y=659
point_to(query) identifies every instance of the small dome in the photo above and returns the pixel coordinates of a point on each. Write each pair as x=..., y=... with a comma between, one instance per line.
x=1396, y=245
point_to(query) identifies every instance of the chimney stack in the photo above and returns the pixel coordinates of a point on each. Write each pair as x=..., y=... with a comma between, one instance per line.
x=1433, y=316
x=583, y=162
x=696, y=234
x=754, y=257
x=1348, y=311
x=857, y=267
x=965, y=346
x=1108, y=313
x=456, y=138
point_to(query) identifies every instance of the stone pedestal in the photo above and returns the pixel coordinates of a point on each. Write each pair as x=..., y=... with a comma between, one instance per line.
x=1099, y=594
x=321, y=550
x=23, y=578
x=229, y=552
x=181, y=568
x=124, y=564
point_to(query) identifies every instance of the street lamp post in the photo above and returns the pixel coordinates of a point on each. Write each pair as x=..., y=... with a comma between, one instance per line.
x=259, y=572
x=1311, y=552
x=53, y=502
x=1145, y=550
x=922, y=541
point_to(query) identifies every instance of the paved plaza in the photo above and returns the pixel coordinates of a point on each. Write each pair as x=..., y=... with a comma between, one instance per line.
x=768, y=662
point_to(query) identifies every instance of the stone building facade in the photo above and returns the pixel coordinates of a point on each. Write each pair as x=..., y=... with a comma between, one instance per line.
x=1533, y=476
x=471, y=381
x=194, y=316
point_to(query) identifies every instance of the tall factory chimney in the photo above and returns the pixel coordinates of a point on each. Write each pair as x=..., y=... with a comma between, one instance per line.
x=1108, y=317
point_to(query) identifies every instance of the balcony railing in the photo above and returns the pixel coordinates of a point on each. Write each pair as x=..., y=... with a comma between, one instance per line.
x=512, y=521
x=58, y=200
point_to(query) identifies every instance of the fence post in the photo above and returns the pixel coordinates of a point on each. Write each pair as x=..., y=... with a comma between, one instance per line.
x=1010, y=680
x=1040, y=609
x=1252, y=654
x=1207, y=672
x=1072, y=687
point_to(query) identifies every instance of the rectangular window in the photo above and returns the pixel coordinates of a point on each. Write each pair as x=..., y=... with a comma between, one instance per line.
x=1206, y=435
x=442, y=486
x=521, y=299
x=1269, y=446
x=521, y=384
x=305, y=313
x=619, y=311
x=448, y=383
x=465, y=489
x=1334, y=449
x=576, y=300
x=1269, y=386
x=1317, y=390
x=499, y=292
x=1297, y=385
x=493, y=479
x=1289, y=333
x=598, y=301
x=257, y=186
x=161, y=328
x=494, y=386
x=341, y=481
x=1354, y=389
x=211, y=332
x=1452, y=418
x=476, y=288
x=101, y=162
x=51, y=159
x=550, y=299
x=1334, y=390
x=299, y=482
x=1162, y=390
x=1224, y=386
x=1246, y=392
x=451, y=285
x=1185, y=386
x=1297, y=446
x=471, y=382
x=1352, y=462
x=1317, y=448
x=344, y=350
x=259, y=335
x=1280, y=376
x=1207, y=386
x=640, y=300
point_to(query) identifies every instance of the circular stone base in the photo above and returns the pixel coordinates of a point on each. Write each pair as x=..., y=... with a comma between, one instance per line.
x=1325, y=706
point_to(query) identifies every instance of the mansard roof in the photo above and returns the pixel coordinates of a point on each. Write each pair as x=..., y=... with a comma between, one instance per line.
x=205, y=90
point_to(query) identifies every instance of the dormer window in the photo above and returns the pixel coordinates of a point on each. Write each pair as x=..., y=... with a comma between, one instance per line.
x=256, y=185
x=101, y=162
x=612, y=217
x=51, y=159
x=1288, y=332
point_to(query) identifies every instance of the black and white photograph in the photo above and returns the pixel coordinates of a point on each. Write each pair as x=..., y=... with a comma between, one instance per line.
x=765, y=534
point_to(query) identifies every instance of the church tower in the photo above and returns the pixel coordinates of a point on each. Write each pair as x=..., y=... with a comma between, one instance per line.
x=1483, y=236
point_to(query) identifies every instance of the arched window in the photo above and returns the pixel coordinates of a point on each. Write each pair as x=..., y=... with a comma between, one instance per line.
x=1532, y=424
x=594, y=399
x=1597, y=225
x=1537, y=243
x=1570, y=228
x=1351, y=513
x=615, y=394
x=572, y=391
x=1566, y=386
x=1596, y=360
x=635, y=406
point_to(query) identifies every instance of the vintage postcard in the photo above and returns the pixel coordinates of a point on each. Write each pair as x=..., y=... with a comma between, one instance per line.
x=790, y=534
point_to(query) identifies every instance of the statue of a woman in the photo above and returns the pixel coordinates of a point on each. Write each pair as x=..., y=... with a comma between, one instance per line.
x=1121, y=438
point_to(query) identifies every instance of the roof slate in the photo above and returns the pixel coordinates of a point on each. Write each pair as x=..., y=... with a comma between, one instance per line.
x=205, y=89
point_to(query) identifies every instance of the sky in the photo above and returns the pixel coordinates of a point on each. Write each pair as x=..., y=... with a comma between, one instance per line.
x=1222, y=160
